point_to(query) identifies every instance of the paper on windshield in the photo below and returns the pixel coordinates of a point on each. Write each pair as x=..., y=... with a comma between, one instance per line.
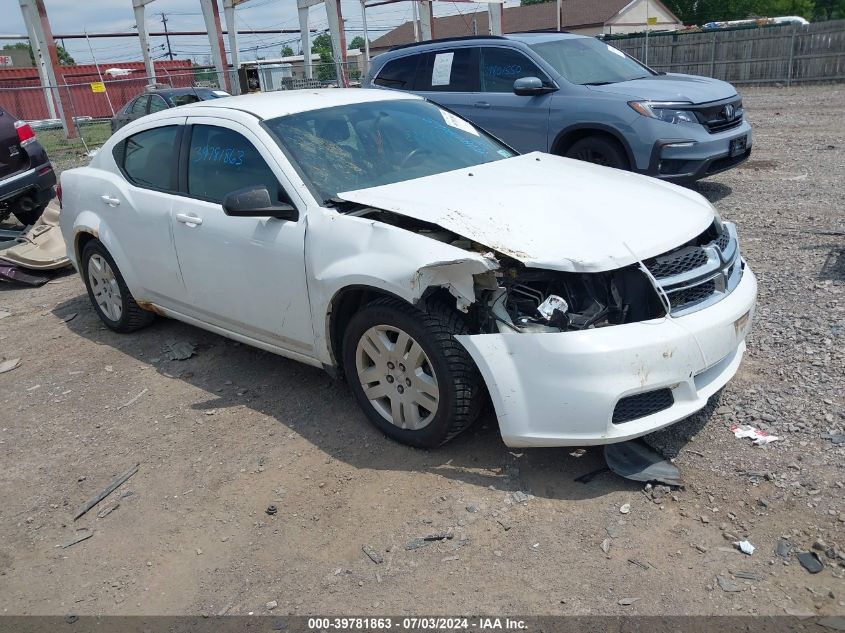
x=441, y=73
x=458, y=123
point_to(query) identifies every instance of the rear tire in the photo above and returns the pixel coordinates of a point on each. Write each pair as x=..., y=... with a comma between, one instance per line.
x=406, y=369
x=112, y=301
x=599, y=151
x=30, y=217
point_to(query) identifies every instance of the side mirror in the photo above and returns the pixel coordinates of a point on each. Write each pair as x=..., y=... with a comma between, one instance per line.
x=530, y=87
x=253, y=202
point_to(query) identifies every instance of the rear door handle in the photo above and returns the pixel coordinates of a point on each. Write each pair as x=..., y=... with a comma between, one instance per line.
x=112, y=202
x=481, y=104
x=184, y=218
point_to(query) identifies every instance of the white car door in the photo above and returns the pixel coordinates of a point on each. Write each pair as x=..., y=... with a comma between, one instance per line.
x=134, y=202
x=243, y=274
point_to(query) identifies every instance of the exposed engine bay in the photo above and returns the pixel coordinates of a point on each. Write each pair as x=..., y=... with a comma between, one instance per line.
x=516, y=298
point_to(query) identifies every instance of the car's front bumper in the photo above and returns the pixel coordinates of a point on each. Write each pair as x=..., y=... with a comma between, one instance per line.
x=695, y=153
x=562, y=389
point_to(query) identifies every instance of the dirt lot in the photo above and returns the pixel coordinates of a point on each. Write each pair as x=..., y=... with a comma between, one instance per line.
x=226, y=433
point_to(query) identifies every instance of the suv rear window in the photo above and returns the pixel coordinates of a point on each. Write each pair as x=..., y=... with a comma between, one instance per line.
x=399, y=73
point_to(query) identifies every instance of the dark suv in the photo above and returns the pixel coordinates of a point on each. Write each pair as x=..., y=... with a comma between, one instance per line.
x=26, y=175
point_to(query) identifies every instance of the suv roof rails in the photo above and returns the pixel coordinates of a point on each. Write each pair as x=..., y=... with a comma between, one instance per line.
x=449, y=39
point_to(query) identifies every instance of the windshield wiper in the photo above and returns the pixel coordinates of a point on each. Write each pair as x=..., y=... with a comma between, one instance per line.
x=598, y=83
x=344, y=206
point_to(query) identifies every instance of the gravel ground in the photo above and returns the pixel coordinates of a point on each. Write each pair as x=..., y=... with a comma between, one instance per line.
x=224, y=434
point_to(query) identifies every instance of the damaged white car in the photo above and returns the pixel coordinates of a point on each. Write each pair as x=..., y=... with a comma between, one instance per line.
x=374, y=234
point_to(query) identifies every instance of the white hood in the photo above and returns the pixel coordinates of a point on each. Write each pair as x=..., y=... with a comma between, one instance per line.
x=551, y=212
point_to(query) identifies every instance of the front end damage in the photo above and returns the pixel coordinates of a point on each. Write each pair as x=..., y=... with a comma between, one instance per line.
x=581, y=358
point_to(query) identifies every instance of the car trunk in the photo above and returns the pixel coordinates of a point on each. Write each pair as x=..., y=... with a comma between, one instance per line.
x=12, y=157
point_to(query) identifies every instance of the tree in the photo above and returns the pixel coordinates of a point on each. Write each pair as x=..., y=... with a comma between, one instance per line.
x=326, y=69
x=357, y=42
x=829, y=10
x=287, y=51
x=322, y=42
x=703, y=11
x=64, y=57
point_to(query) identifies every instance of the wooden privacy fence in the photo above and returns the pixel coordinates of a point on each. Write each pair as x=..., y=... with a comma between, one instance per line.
x=781, y=54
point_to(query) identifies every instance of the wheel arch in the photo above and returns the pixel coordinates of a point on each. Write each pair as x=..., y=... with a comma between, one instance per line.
x=574, y=133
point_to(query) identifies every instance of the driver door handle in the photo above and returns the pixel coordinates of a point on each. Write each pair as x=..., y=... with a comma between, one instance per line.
x=109, y=200
x=481, y=104
x=184, y=218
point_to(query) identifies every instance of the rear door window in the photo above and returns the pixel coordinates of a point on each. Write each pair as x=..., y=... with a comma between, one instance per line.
x=500, y=67
x=449, y=71
x=399, y=73
x=148, y=158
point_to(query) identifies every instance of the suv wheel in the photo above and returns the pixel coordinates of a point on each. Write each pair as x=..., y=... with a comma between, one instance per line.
x=107, y=290
x=600, y=151
x=412, y=379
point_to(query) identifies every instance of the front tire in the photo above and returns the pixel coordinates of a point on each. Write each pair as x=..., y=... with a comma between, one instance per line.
x=409, y=375
x=599, y=151
x=112, y=301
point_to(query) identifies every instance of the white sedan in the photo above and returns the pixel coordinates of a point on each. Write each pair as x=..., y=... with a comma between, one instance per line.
x=385, y=239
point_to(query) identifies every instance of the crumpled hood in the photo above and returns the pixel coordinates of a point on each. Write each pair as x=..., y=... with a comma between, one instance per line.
x=672, y=87
x=551, y=212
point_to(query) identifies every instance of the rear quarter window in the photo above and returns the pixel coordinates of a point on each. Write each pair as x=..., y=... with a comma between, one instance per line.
x=453, y=70
x=400, y=74
x=148, y=159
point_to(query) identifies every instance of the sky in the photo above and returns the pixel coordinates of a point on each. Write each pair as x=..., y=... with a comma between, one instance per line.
x=76, y=16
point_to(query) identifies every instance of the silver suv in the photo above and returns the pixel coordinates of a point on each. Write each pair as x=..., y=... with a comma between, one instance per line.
x=579, y=97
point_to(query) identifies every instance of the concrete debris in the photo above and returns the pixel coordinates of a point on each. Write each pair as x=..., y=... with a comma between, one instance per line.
x=180, y=350
x=271, y=605
x=728, y=585
x=372, y=554
x=625, y=508
x=626, y=601
x=783, y=547
x=810, y=561
x=520, y=497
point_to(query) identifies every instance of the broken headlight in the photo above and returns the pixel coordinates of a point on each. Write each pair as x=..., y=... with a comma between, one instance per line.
x=548, y=301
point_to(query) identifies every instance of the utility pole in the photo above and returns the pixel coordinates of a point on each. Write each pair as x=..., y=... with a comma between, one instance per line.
x=166, y=36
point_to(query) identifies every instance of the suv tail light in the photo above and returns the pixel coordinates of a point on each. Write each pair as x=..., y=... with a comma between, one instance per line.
x=25, y=133
x=59, y=194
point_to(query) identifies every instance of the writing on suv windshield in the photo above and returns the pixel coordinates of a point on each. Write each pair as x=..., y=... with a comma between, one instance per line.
x=369, y=144
x=590, y=62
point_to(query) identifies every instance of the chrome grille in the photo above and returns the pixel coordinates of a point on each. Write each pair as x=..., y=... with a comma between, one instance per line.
x=694, y=277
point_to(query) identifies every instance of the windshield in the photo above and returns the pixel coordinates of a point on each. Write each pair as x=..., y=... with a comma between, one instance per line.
x=369, y=144
x=589, y=62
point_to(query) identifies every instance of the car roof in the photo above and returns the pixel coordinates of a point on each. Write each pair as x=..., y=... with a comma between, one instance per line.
x=527, y=38
x=268, y=105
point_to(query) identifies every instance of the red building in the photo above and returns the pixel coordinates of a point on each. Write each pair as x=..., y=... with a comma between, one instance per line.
x=22, y=95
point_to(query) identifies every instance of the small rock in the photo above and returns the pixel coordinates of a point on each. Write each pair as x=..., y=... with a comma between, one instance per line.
x=472, y=509
x=372, y=554
x=728, y=585
x=705, y=519
x=504, y=523
x=810, y=561
x=605, y=545
x=271, y=605
x=783, y=548
x=520, y=497
x=627, y=601
x=625, y=508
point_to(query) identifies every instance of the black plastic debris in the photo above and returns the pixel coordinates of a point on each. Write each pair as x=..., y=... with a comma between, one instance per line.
x=636, y=461
x=810, y=561
x=271, y=510
x=13, y=274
